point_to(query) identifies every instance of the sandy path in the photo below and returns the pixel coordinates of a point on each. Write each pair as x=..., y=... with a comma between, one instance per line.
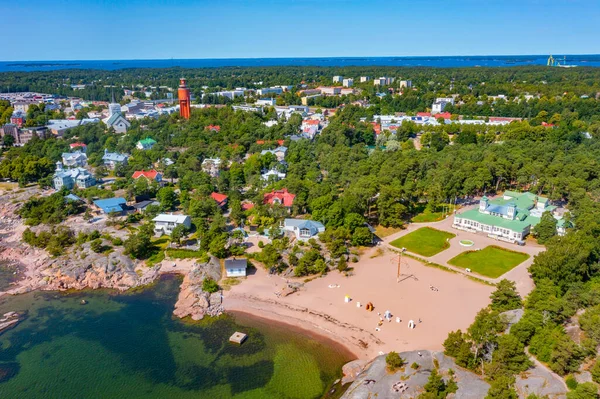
x=320, y=308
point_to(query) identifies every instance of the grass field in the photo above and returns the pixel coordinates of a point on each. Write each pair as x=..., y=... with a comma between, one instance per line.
x=424, y=241
x=425, y=214
x=491, y=261
x=382, y=232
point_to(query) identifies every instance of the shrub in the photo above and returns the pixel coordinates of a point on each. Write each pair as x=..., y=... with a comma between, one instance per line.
x=571, y=382
x=117, y=241
x=394, y=361
x=414, y=366
x=261, y=244
x=209, y=285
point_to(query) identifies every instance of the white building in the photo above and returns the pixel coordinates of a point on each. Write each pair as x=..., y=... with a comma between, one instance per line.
x=270, y=102
x=273, y=175
x=303, y=229
x=348, y=82
x=364, y=79
x=115, y=119
x=236, y=267
x=212, y=166
x=72, y=177
x=383, y=81
x=406, y=83
x=165, y=223
x=338, y=79
x=269, y=90
x=74, y=159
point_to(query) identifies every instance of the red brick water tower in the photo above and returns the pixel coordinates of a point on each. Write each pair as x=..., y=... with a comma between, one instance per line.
x=184, y=99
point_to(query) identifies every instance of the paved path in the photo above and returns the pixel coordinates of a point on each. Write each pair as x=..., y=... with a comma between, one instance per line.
x=519, y=274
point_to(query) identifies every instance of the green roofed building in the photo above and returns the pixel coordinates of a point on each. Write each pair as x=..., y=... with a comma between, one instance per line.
x=510, y=217
x=146, y=144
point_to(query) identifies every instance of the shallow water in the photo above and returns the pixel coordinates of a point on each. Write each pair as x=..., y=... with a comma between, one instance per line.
x=130, y=346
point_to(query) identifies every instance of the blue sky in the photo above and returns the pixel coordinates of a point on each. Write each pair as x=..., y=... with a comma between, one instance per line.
x=154, y=29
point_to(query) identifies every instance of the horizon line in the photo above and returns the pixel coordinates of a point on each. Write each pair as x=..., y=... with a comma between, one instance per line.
x=306, y=57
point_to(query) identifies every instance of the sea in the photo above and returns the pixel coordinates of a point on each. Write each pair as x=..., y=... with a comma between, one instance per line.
x=433, y=61
x=129, y=345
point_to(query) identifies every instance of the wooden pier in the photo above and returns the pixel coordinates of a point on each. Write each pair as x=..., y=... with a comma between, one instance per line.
x=238, y=337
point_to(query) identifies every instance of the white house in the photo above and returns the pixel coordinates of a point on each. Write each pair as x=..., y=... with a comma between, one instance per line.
x=348, y=82
x=338, y=79
x=236, y=267
x=441, y=103
x=74, y=159
x=303, y=229
x=212, y=166
x=72, y=177
x=165, y=223
x=364, y=79
x=273, y=174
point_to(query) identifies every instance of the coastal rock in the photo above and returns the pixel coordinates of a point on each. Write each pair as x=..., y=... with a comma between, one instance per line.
x=9, y=320
x=376, y=382
x=194, y=302
x=352, y=369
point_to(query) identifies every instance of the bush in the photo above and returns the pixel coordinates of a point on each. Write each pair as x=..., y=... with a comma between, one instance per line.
x=209, y=285
x=117, y=241
x=261, y=244
x=571, y=382
x=595, y=371
x=96, y=245
x=342, y=264
x=394, y=361
x=414, y=366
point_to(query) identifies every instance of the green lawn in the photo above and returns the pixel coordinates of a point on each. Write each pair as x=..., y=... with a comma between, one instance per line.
x=425, y=214
x=424, y=241
x=491, y=261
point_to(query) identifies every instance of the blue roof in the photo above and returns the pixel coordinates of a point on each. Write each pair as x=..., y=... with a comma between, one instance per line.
x=114, y=156
x=72, y=197
x=501, y=209
x=109, y=205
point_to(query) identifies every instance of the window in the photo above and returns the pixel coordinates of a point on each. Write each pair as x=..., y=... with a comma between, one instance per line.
x=305, y=232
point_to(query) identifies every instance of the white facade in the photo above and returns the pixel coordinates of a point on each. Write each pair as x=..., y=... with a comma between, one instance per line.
x=165, y=224
x=338, y=79
x=348, y=82
x=364, y=79
x=74, y=159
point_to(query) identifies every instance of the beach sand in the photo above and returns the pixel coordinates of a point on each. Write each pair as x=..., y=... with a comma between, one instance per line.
x=322, y=310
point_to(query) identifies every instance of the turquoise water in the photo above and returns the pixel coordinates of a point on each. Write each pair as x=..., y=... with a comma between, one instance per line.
x=130, y=346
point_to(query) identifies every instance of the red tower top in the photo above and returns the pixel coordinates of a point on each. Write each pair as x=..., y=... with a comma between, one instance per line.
x=184, y=99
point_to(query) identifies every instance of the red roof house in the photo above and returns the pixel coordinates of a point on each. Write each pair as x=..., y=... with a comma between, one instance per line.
x=78, y=145
x=246, y=206
x=444, y=115
x=213, y=128
x=282, y=197
x=376, y=127
x=148, y=174
x=220, y=199
x=424, y=114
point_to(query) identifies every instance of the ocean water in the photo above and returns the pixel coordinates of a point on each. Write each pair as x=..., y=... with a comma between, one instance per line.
x=130, y=346
x=433, y=61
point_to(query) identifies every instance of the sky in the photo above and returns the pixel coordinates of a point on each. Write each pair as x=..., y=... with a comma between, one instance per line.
x=163, y=29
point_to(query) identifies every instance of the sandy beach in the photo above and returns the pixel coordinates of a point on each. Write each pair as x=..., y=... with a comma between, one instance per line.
x=321, y=309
